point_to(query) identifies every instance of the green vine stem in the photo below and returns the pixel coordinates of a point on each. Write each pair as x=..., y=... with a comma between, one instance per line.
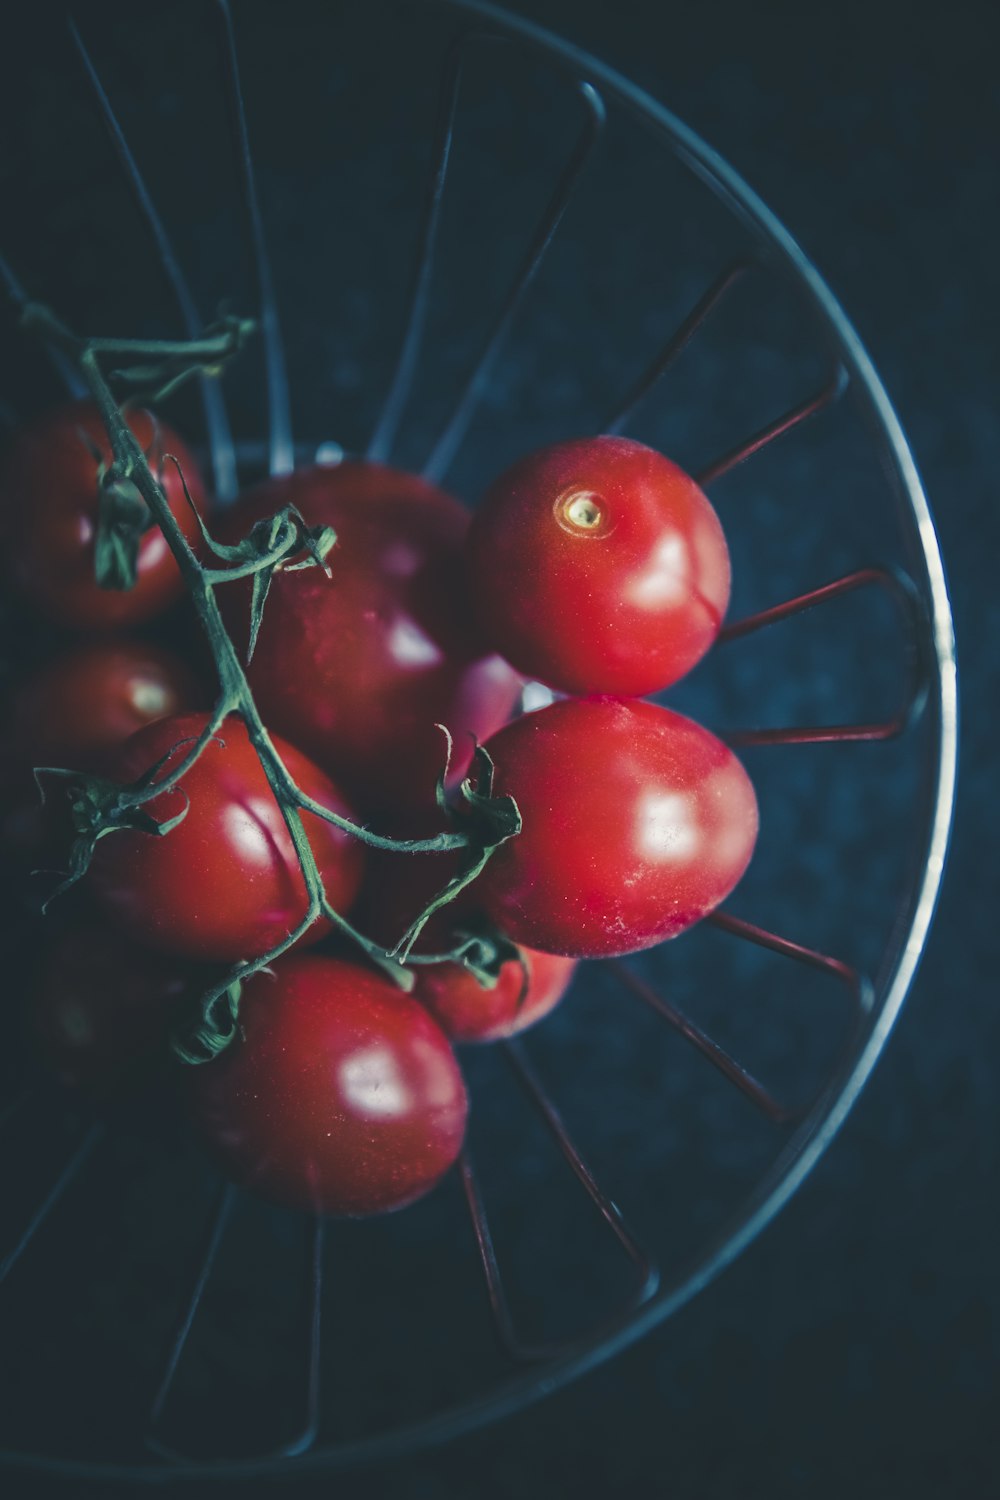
x=170, y=362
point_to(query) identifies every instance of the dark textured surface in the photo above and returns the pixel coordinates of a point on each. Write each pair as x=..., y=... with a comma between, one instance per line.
x=854, y=1347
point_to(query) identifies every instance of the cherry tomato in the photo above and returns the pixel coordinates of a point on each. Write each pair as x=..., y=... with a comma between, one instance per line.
x=598, y=566
x=637, y=822
x=48, y=517
x=225, y=884
x=72, y=712
x=342, y=1096
x=360, y=668
x=526, y=991
x=397, y=888
x=102, y=1009
x=81, y=704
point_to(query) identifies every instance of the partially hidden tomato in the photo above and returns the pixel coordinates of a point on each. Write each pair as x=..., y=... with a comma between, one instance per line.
x=598, y=566
x=100, y=1010
x=397, y=889
x=637, y=823
x=49, y=510
x=359, y=669
x=82, y=703
x=529, y=987
x=224, y=884
x=71, y=712
x=340, y=1096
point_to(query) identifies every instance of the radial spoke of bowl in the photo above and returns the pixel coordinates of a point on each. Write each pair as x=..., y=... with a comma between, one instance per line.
x=903, y=594
x=79, y=1156
x=647, y=1274
x=312, y=1329
x=678, y=340
x=499, y=1307
x=314, y=1345
x=703, y=1043
x=199, y=1281
x=383, y=437
x=831, y=391
x=71, y=379
x=609, y=1211
x=281, y=449
x=216, y=419
x=477, y=381
x=858, y=985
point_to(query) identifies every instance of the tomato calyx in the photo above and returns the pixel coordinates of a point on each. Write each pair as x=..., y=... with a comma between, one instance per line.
x=122, y=520
x=217, y=1025
x=485, y=820
x=160, y=377
x=482, y=949
x=279, y=543
x=98, y=806
x=123, y=517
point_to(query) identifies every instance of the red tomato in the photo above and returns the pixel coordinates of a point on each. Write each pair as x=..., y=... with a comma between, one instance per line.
x=225, y=884
x=71, y=712
x=49, y=503
x=598, y=566
x=466, y=1012
x=358, y=669
x=341, y=1097
x=397, y=888
x=79, y=705
x=637, y=822
x=101, y=1009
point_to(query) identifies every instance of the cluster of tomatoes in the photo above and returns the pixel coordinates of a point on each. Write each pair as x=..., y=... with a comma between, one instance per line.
x=595, y=567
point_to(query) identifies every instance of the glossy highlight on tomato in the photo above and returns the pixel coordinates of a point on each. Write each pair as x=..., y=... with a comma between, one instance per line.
x=48, y=517
x=637, y=823
x=359, y=669
x=82, y=703
x=342, y=1096
x=598, y=566
x=73, y=712
x=225, y=884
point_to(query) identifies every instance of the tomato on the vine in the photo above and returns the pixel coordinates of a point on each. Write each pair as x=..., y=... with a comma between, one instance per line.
x=397, y=889
x=360, y=668
x=529, y=987
x=598, y=566
x=101, y=1009
x=341, y=1095
x=82, y=703
x=49, y=512
x=71, y=712
x=224, y=884
x=637, y=822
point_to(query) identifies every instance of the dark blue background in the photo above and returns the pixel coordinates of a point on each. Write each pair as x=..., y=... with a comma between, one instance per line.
x=853, y=1348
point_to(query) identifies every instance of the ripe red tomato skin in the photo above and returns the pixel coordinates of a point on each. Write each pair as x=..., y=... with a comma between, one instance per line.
x=625, y=607
x=637, y=823
x=100, y=1011
x=71, y=712
x=397, y=888
x=342, y=1096
x=467, y=1012
x=48, y=500
x=81, y=704
x=360, y=668
x=225, y=884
